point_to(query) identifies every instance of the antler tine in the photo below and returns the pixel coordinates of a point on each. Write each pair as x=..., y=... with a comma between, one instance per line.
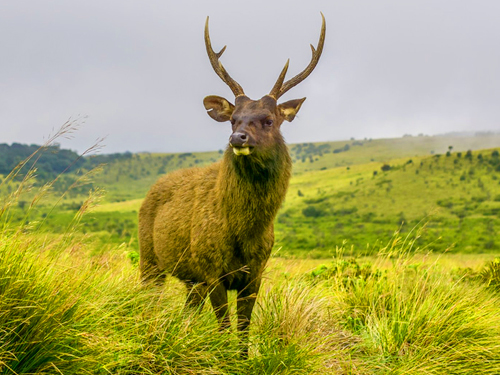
x=277, y=86
x=218, y=67
x=316, y=54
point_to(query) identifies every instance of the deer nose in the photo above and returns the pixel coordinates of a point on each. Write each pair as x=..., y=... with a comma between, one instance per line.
x=238, y=139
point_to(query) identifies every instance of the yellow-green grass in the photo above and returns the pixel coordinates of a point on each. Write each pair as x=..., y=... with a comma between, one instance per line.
x=284, y=267
x=132, y=205
x=71, y=306
x=64, y=310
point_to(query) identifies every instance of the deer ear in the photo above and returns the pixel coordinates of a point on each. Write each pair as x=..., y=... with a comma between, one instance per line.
x=290, y=108
x=218, y=108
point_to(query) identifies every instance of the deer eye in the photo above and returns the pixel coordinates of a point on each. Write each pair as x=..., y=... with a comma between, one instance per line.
x=268, y=122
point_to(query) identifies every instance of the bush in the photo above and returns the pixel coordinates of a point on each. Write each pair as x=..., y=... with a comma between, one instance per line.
x=313, y=211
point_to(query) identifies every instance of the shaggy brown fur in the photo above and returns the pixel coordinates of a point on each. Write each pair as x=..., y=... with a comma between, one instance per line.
x=212, y=227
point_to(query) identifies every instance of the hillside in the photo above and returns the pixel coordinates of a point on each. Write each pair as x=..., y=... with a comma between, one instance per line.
x=338, y=193
x=458, y=196
x=131, y=178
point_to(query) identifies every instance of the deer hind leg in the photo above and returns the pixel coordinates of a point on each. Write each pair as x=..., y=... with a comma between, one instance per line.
x=150, y=273
x=218, y=297
x=148, y=264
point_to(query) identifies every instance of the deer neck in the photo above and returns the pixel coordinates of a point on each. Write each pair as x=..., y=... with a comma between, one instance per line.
x=254, y=186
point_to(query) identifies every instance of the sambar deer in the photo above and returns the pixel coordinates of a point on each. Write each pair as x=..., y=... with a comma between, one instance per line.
x=212, y=227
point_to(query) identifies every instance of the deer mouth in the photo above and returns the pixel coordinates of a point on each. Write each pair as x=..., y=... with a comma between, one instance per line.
x=247, y=150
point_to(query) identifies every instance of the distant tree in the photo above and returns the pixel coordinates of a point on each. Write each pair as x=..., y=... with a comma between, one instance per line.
x=385, y=167
x=312, y=211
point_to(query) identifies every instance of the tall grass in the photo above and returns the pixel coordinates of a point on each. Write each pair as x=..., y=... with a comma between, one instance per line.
x=66, y=307
x=413, y=317
x=69, y=308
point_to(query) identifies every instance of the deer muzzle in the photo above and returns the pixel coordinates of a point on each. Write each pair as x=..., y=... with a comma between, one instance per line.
x=241, y=143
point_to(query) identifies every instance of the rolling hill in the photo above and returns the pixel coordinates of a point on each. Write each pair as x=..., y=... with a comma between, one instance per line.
x=357, y=192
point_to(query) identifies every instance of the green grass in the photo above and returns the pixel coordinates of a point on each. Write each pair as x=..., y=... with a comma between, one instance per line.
x=67, y=308
x=71, y=301
x=70, y=305
x=457, y=196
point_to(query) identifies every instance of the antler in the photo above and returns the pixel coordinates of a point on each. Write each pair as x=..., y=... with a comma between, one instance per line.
x=218, y=67
x=279, y=88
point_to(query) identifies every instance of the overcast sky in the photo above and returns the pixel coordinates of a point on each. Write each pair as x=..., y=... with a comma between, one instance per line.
x=139, y=70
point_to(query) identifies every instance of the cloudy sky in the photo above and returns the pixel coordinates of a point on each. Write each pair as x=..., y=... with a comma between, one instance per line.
x=138, y=69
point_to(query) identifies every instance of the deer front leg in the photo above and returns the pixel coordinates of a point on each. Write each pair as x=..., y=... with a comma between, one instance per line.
x=218, y=297
x=245, y=303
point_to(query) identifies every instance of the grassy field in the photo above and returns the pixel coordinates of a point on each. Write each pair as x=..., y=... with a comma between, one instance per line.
x=353, y=286
x=68, y=308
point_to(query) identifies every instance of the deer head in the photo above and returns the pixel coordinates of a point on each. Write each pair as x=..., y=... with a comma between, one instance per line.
x=256, y=123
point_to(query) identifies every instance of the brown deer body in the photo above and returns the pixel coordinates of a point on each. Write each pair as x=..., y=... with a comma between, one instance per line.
x=212, y=227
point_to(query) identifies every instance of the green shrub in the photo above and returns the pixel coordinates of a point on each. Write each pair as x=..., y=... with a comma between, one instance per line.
x=313, y=211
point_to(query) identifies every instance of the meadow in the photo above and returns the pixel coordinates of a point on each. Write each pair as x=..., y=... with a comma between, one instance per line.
x=386, y=262
x=359, y=191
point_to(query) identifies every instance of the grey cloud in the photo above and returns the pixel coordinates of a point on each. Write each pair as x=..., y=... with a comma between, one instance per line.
x=139, y=69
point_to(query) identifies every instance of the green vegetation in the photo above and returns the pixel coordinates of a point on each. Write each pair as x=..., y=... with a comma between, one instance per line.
x=457, y=197
x=71, y=301
x=360, y=194
x=67, y=308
